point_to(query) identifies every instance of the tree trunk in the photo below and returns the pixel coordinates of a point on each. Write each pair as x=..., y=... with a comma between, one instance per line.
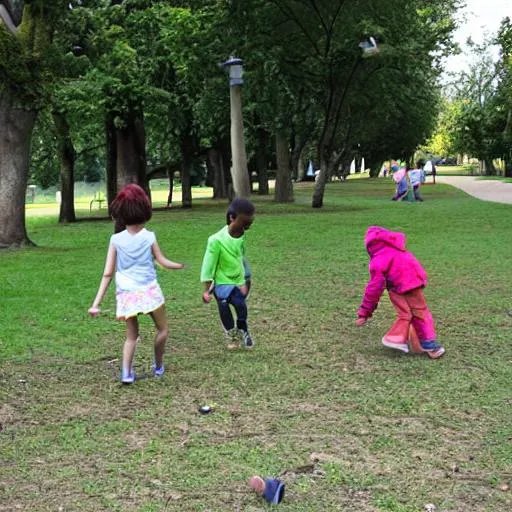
x=284, y=185
x=508, y=168
x=375, y=167
x=131, y=153
x=16, y=127
x=297, y=147
x=375, y=171
x=300, y=167
x=335, y=166
x=187, y=162
x=215, y=162
x=318, y=192
x=170, y=174
x=357, y=163
x=221, y=182
x=490, y=169
x=345, y=169
x=261, y=162
x=486, y=166
x=507, y=135
x=67, y=168
x=111, y=156
x=240, y=175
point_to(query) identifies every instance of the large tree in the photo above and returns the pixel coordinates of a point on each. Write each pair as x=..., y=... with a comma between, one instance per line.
x=26, y=60
x=322, y=37
x=504, y=91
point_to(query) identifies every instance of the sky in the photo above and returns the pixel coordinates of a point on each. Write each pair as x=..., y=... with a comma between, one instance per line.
x=476, y=19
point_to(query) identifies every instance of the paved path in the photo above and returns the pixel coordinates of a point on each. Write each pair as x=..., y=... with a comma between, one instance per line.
x=496, y=191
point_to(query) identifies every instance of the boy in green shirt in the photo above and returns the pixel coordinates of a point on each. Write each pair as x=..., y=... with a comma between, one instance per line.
x=225, y=271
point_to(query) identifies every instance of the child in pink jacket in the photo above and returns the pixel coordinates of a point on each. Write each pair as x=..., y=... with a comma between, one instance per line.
x=395, y=268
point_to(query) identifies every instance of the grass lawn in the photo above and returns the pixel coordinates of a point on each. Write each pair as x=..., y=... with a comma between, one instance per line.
x=85, y=206
x=456, y=170
x=348, y=424
x=496, y=178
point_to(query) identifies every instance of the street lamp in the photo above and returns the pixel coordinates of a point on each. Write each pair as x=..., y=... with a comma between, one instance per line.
x=236, y=70
x=239, y=173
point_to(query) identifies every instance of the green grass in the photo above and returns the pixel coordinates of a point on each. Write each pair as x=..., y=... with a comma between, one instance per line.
x=456, y=170
x=496, y=178
x=45, y=203
x=348, y=424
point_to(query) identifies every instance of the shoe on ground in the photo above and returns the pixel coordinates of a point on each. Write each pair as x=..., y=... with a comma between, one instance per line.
x=127, y=377
x=246, y=338
x=433, y=349
x=157, y=372
x=395, y=344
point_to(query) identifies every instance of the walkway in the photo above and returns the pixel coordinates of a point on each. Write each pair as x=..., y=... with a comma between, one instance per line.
x=496, y=191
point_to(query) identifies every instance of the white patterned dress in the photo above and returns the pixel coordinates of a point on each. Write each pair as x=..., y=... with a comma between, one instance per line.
x=137, y=290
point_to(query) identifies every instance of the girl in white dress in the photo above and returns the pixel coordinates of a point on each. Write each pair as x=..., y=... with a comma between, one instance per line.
x=131, y=255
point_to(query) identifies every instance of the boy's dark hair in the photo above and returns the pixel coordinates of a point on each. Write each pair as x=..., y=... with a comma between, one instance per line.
x=131, y=206
x=239, y=206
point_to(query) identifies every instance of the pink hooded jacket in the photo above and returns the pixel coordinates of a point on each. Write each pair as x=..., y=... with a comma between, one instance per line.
x=391, y=267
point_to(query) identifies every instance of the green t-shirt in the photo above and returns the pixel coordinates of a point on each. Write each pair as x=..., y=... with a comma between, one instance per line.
x=224, y=259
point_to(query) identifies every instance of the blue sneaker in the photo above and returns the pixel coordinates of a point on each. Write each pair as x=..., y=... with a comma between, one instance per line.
x=433, y=349
x=157, y=372
x=127, y=378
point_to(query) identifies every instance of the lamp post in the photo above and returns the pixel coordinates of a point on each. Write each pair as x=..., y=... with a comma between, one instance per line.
x=239, y=172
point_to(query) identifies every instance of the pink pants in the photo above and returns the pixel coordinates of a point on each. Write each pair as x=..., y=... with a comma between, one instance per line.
x=412, y=311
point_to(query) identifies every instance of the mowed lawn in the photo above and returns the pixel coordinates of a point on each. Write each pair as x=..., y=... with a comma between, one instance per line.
x=348, y=424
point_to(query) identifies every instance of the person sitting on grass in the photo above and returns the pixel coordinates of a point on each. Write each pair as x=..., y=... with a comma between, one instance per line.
x=402, y=185
x=416, y=178
x=225, y=272
x=395, y=268
x=131, y=254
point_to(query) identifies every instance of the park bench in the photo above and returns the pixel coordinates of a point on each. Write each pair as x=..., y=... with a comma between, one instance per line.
x=98, y=198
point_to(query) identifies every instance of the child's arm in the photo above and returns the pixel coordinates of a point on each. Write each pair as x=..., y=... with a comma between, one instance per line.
x=162, y=260
x=246, y=288
x=110, y=266
x=372, y=294
x=208, y=289
x=209, y=267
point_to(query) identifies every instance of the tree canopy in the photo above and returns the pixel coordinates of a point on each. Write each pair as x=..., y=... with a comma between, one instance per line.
x=136, y=87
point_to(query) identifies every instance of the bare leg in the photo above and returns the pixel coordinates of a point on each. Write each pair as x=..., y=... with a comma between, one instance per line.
x=132, y=335
x=159, y=317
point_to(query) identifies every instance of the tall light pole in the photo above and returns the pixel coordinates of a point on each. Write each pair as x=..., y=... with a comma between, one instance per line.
x=239, y=172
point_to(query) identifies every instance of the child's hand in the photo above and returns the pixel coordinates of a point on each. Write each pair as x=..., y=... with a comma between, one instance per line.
x=94, y=311
x=244, y=289
x=207, y=297
x=361, y=321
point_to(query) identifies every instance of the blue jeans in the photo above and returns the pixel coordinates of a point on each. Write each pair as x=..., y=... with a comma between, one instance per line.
x=236, y=299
